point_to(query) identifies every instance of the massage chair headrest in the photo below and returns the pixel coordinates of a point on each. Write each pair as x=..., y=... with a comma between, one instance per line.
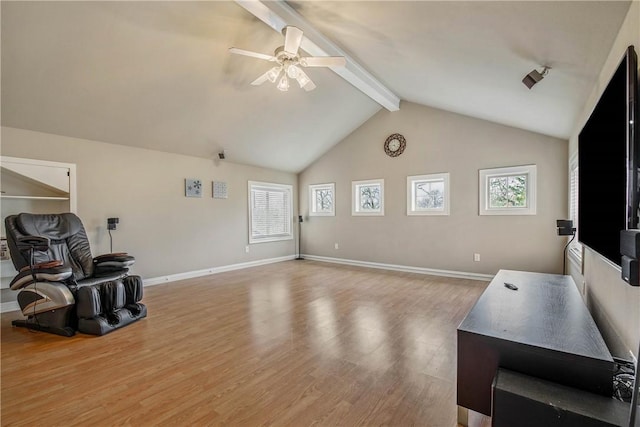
x=37, y=243
x=53, y=226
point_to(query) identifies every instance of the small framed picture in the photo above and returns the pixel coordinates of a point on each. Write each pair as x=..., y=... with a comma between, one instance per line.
x=192, y=187
x=220, y=190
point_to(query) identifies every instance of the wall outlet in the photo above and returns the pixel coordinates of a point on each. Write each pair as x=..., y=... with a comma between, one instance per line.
x=336, y=246
x=476, y=257
x=246, y=249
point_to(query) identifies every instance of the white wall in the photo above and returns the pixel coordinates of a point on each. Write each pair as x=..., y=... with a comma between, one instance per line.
x=614, y=304
x=439, y=141
x=167, y=232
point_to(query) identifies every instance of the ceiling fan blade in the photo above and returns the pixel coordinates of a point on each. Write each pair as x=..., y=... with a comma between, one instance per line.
x=323, y=61
x=292, y=39
x=252, y=54
x=263, y=78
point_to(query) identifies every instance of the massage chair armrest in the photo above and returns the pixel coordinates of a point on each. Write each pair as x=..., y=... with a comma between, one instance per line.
x=108, y=264
x=111, y=255
x=52, y=271
x=44, y=265
x=116, y=257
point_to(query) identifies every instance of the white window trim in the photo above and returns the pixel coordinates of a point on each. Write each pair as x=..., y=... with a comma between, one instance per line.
x=312, y=199
x=411, y=209
x=288, y=189
x=355, y=197
x=486, y=174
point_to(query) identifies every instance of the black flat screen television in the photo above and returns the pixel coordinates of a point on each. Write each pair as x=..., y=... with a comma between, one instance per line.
x=608, y=164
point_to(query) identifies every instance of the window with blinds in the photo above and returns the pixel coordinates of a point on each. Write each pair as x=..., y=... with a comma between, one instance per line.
x=270, y=212
x=575, y=249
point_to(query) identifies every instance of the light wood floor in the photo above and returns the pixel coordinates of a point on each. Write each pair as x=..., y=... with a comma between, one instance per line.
x=296, y=343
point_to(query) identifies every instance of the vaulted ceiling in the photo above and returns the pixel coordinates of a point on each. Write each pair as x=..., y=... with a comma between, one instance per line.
x=159, y=75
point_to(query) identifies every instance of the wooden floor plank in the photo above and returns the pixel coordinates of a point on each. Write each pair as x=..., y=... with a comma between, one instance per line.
x=288, y=344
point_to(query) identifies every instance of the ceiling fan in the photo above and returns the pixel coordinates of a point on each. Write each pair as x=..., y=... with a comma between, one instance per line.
x=289, y=62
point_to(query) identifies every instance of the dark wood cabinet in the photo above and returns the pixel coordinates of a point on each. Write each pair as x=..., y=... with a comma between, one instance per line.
x=542, y=329
x=524, y=401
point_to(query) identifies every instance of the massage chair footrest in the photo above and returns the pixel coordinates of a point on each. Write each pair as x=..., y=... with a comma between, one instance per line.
x=103, y=298
x=103, y=324
x=103, y=307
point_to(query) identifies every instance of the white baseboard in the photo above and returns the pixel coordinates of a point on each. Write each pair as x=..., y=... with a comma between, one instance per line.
x=213, y=270
x=13, y=305
x=6, y=307
x=404, y=268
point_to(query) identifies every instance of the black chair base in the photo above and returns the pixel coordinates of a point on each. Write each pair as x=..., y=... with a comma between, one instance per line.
x=31, y=324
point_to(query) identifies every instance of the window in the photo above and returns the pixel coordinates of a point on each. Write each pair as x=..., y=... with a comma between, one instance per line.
x=428, y=194
x=508, y=191
x=368, y=197
x=270, y=212
x=322, y=200
x=575, y=249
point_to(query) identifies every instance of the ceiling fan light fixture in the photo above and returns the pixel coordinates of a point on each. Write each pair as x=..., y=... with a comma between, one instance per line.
x=293, y=71
x=303, y=79
x=289, y=62
x=273, y=74
x=283, y=84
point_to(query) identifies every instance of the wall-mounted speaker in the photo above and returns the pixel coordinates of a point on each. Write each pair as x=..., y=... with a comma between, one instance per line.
x=565, y=227
x=564, y=223
x=630, y=243
x=112, y=222
x=630, y=271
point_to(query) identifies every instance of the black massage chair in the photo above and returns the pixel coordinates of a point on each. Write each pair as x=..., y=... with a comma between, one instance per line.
x=63, y=289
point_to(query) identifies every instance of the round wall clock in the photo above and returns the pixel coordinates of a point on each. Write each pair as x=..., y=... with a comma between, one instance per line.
x=394, y=145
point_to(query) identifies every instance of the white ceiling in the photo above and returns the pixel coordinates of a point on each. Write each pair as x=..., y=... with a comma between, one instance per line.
x=158, y=74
